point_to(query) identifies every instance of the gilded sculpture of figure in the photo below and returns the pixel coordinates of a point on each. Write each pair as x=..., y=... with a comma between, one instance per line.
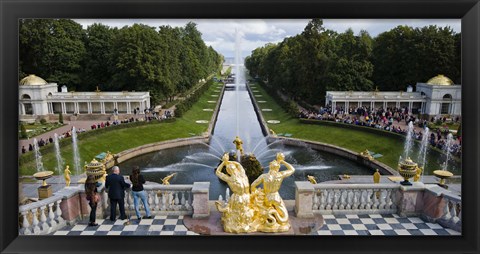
x=66, y=174
x=237, y=214
x=312, y=179
x=166, y=179
x=270, y=207
x=376, y=177
x=418, y=175
x=238, y=144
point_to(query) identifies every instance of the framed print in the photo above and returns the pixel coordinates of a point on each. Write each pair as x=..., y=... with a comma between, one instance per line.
x=246, y=127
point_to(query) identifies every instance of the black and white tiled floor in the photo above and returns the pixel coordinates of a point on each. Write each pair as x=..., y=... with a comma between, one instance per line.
x=159, y=225
x=369, y=224
x=377, y=224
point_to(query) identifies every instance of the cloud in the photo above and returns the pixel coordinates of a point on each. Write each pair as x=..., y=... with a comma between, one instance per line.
x=221, y=33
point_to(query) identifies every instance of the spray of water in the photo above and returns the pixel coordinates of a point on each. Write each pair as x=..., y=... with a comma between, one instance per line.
x=76, y=153
x=237, y=77
x=38, y=156
x=422, y=155
x=447, y=148
x=408, y=140
x=58, y=155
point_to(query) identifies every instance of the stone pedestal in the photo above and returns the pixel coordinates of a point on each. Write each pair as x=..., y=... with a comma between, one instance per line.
x=200, y=205
x=410, y=199
x=44, y=192
x=304, y=192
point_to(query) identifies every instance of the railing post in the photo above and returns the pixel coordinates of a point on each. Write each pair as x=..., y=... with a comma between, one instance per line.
x=200, y=192
x=410, y=200
x=304, y=192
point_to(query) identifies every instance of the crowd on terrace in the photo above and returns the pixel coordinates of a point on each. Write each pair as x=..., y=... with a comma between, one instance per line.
x=389, y=120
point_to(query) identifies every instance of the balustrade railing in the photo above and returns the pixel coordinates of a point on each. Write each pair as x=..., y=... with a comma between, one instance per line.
x=41, y=217
x=355, y=198
x=452, y=212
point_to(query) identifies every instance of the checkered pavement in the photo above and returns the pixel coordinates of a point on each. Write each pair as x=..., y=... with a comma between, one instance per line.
x=159, y=225
x=378, y=224
x=368, y=224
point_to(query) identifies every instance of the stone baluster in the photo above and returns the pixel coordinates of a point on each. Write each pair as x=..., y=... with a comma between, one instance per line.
x=150, y=199
x=369, y=204
x=315, y=202
x=343, y=199
x=335, y=199
x=329, y=199
x=382, y=197
x=446, y=211
x=156, y=200
x=388, y=199
x=51, y=218
x=376, y=199
x=350, y=195
x=453, y=212
x=182, y=200
x=35, y=226
x=59, y=218
x=105, y=202
x=356, y=195
x=25, y=224
x=323, y=198
x=43, y=220
x=363, y=199
x=188, y=205
x=164, y=201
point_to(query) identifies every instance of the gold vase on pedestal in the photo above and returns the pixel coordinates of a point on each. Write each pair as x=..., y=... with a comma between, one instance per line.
x=407, y=169
x=443, y=175
x=97, y=169
x=44, y=191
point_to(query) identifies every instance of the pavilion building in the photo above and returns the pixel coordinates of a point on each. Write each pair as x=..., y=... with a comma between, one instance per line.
x=40, y=99
x=439, y=96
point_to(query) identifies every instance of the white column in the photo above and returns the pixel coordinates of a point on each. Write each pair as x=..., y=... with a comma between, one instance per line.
x=372, y=105
x=421, y=108
x=410, y=105
x=115, y=105
x=64, y=108
x=397, y=104
x=89, y=107
x=384, y=105
x=128, y=107
x=148, y=102
x=102, y=107
x=347, y=107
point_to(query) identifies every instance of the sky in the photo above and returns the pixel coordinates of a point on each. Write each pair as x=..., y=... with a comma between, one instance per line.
x=254, y=33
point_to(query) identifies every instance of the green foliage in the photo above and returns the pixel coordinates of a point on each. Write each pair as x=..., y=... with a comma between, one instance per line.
x=43, y=121
x=253, y=168
x=23, y=131
x=165, y=61
x=60, y=117
x=307, y=65
x=191, y=99
x=459, y=130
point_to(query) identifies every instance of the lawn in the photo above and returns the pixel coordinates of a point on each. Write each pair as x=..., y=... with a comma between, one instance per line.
x=91, y=144
x=352, y=139
x=35, y=129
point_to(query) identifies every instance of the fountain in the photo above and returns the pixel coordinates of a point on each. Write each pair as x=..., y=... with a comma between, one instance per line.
x=76, y=154
x=57, y=154
x=38, y=156
x=444, y=174
x=422, y=155
x=408, y=140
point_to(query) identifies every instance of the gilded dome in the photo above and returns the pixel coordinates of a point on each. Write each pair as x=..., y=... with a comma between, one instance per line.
x=440, y=80
x=32, y=80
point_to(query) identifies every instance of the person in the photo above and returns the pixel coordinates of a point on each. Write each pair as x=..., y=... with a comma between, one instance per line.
x=92, y=197
x=23, y=149
x=139, y=193
x=116, y=186
x=30, y=147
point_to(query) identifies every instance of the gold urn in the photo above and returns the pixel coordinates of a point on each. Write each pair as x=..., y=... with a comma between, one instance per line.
x=443, y=175
x=95, y=168
x=44, y=191
x=407, y=169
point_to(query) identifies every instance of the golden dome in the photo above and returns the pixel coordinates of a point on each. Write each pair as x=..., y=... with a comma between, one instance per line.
x=440, y=80
x=32, y=80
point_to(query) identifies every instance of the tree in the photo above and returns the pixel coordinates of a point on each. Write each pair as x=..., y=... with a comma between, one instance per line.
x=23, y=131
x=60, y=117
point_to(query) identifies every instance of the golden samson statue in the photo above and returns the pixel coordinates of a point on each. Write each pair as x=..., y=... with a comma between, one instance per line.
x=252, y=209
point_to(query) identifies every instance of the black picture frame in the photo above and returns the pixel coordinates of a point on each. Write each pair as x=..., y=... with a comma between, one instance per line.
x=12, y=10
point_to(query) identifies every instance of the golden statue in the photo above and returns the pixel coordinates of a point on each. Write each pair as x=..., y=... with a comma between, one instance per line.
x=238, y=144
x=345, y=176
x=366, y=154
x=312, y=179
x=237, y=214
x=66, y=174
x=272, y=132
x=166, y=179
x=376, y=177
x=418, y=175
x=270, y=207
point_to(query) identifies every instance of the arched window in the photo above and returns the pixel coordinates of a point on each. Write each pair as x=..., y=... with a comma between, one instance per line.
x=446, y=104
x=26, y=97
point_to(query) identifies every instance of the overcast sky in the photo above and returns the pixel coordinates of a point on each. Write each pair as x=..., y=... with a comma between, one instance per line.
x=220, y=34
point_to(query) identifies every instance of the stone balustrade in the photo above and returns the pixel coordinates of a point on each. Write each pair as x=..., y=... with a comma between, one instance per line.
x=41, y=217
x=452, y=212
x=355, y=198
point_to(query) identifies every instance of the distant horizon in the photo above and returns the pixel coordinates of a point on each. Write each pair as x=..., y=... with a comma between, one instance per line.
x=258, y=32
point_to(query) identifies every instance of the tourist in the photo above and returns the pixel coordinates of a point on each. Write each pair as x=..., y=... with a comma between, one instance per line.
x=138, y=193
x=92, y=197
x=116, y=186
x=23, y=149
x=30, y=147
x=50, y=140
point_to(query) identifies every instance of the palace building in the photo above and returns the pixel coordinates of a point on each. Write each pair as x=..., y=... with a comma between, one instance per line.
x=439, y=96
x=39, y=99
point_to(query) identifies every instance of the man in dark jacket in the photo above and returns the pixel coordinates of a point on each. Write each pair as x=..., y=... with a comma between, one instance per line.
x=116, y=186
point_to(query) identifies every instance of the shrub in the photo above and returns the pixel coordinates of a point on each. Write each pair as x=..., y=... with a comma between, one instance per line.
x=60, y=118
x=43, y=121
x=23, y=131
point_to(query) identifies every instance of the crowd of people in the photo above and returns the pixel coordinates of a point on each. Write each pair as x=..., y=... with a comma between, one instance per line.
x=149, y=115
x=385, y=119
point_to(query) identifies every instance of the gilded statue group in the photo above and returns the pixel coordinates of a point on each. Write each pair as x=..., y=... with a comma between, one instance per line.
x=251, y=209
